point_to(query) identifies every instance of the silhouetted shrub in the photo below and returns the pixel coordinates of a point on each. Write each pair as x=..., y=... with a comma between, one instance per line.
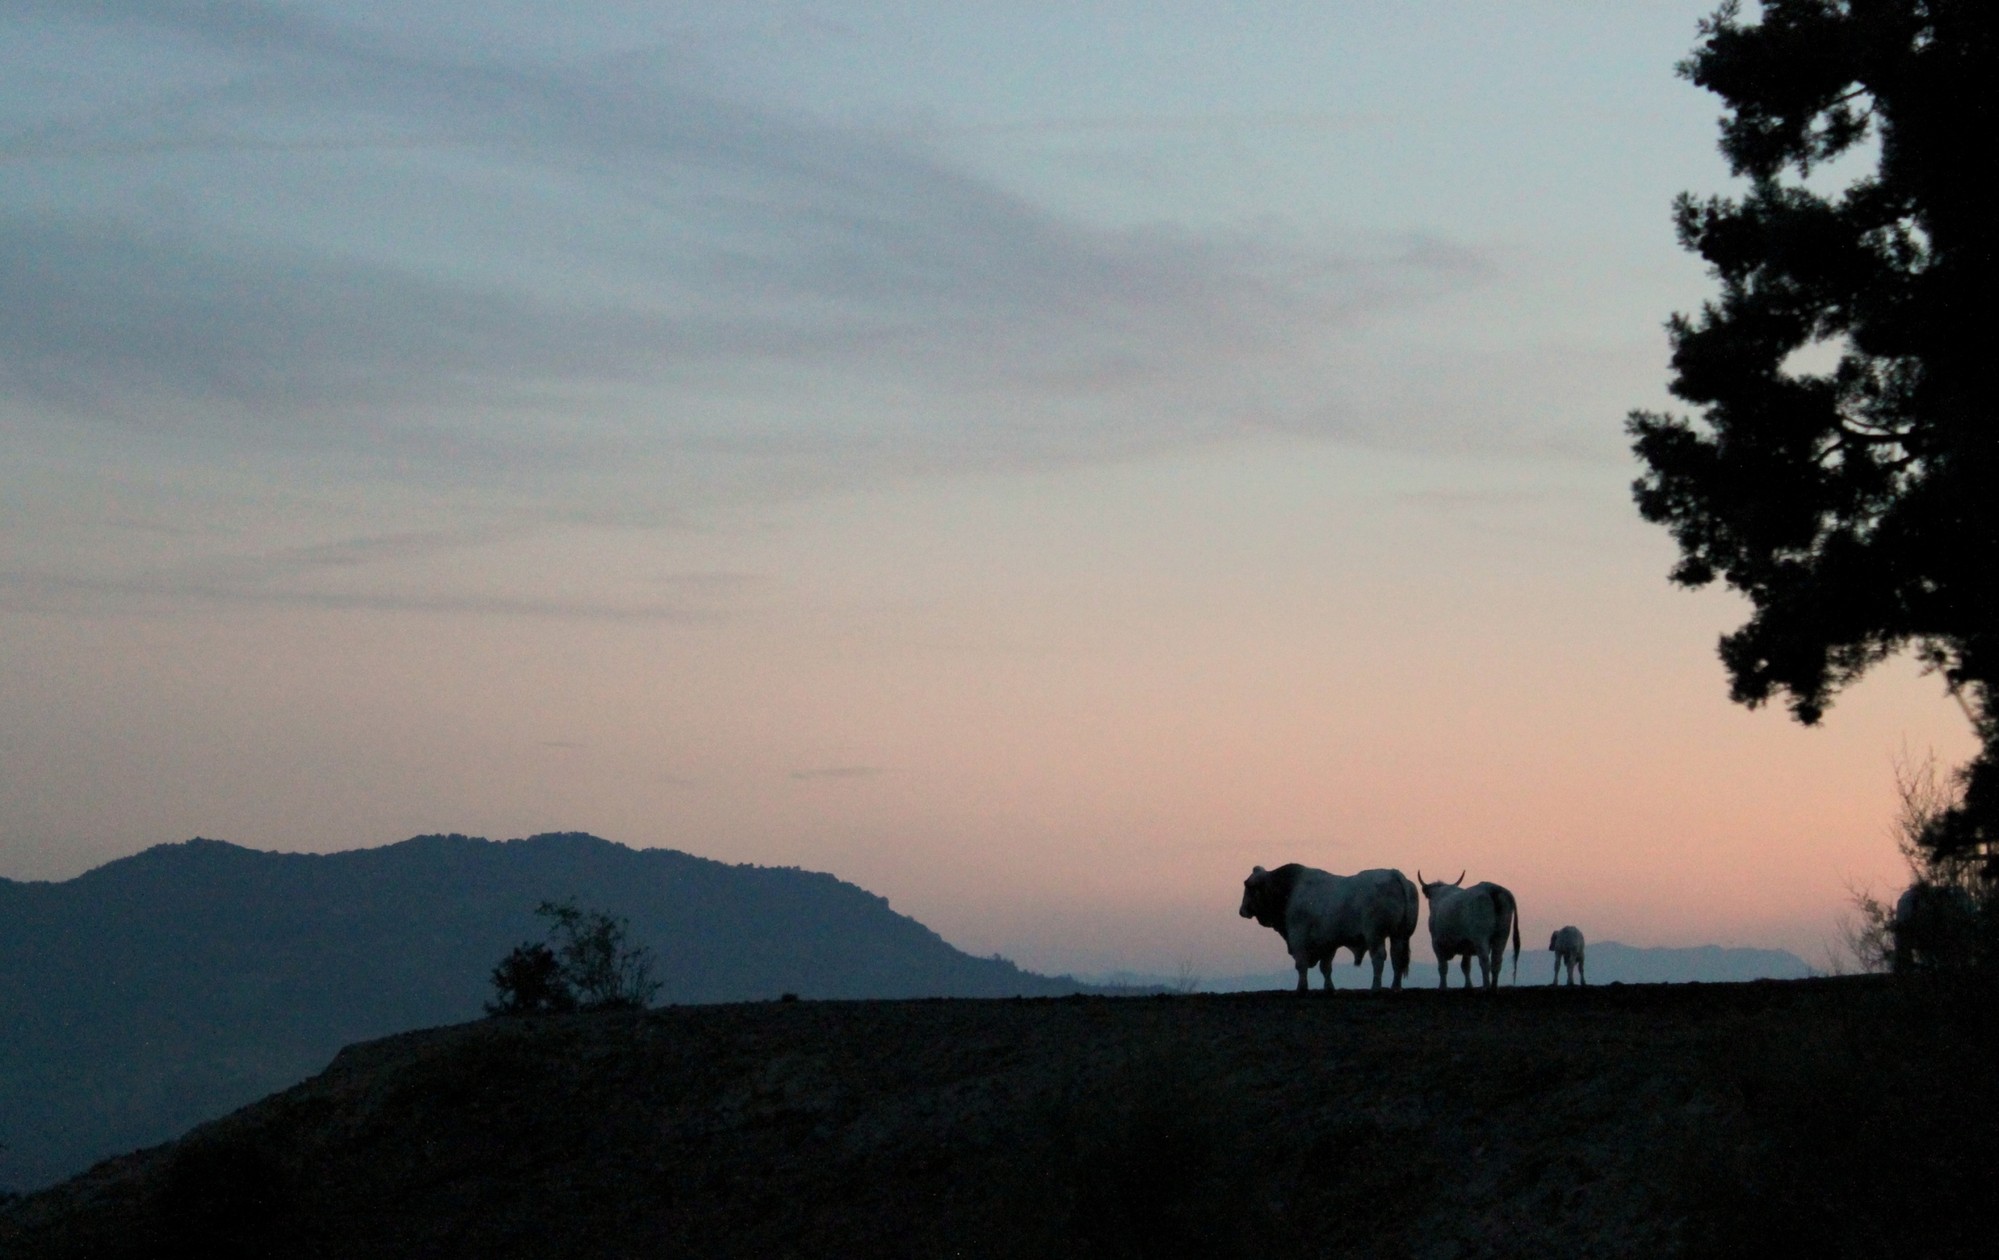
x=529, y=981
x=587, y=964
x=1944, y=921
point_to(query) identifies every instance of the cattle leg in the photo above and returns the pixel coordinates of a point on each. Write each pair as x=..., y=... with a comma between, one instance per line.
x=1304, y=969
x=1444, y=972
x=1557, y=977
x=1465, y=965
x=1398, y=954
x=1380, y=956
x=1326, y=972
x=1582, y=971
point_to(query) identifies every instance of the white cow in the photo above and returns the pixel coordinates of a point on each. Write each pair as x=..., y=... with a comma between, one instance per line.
x=1319, y=914
x=1567, y=947
x=1472, y=923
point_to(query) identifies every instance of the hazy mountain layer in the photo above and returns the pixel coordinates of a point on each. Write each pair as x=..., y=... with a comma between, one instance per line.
x=1609, y=963
x=163, y=989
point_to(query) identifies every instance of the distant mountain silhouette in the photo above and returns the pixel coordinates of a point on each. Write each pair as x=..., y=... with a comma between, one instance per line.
x=1609, y=963
x=166, y=988
x=1612, y=963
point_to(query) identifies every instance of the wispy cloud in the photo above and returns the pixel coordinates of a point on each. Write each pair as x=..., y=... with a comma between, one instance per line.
x=526, y=293
x=840, y=772
x=642, y=243
x=443, y=571
x=51, y=592
x=1172, y=124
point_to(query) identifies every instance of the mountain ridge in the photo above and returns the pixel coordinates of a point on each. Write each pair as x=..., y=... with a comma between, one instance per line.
x=1609, y=962
x=163, y=988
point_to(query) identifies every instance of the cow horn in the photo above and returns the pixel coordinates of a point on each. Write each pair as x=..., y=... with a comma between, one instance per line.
x=1461, y=877
x=1419, y=877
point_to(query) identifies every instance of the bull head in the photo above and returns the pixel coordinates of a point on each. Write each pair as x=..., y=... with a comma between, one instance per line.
x=1252, y=892
x=1425, y=885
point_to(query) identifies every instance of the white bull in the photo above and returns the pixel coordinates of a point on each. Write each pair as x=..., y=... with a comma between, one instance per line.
x=1318, y=914
x=1472, y=923
x=1567, y=947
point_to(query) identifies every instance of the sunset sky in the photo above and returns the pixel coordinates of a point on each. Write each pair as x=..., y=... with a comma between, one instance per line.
x=1032, y=460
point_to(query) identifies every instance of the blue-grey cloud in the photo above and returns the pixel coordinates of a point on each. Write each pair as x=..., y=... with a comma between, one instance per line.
x=638, y=232
x=173, y=593
x=104, y=314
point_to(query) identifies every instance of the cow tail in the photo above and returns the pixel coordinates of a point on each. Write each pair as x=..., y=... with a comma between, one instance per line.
x=1503, y=903
x=1516, y=944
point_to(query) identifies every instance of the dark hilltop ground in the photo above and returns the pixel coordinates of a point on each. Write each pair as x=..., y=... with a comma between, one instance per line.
x=1832, y=1117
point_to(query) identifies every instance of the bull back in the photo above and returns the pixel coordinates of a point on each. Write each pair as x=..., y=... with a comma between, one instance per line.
x=1460, y=916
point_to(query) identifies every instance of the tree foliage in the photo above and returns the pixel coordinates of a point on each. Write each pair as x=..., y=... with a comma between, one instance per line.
x=1843, y=470
x=587, y=963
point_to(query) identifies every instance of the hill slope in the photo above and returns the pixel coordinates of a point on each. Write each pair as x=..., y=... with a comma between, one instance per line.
x=166, y=988
x=1824, y=1117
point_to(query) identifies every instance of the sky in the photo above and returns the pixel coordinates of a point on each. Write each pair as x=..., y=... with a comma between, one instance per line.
x=1032, y=460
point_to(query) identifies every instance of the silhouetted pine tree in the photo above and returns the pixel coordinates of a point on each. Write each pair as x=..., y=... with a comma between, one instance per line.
x=1852, y=493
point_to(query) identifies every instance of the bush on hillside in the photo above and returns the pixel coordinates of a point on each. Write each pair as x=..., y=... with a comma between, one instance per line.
x=1943, y=922
x=587, y=963
x=529, y=981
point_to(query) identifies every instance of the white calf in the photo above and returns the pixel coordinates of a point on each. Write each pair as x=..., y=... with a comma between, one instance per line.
x=1567, y=947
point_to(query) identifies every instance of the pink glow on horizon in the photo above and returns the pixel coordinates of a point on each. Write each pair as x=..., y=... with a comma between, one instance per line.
x=1073, y=765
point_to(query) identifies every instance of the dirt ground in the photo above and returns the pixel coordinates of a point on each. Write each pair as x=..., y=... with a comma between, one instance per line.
x=1838, y=1115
